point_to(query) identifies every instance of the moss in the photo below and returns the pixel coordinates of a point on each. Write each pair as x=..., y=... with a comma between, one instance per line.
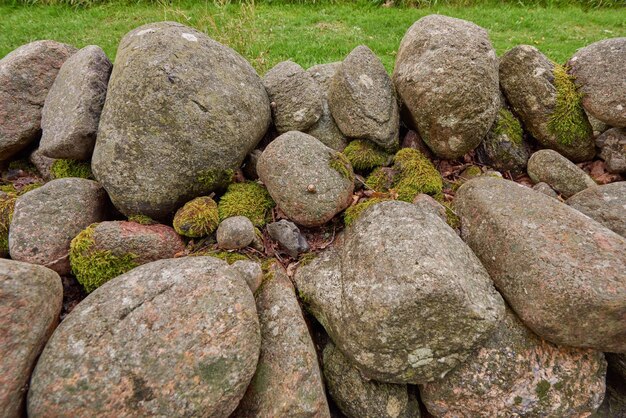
x=71, y=168
x=379, y=181
x=142, y=219
x=364, y=155
x=353, y=212
x=518, y=400
x=568, y=121
x=92, y=267
x=471, y=172
x=452, y=218
x=341, y=164
x=29, y=187
x=8, y=188
x=508, y=125
x=306, y=259
x=415, y=174
x=197, y=218
x=542, y=389
x=249, y=199
x=7, y=204
x=214, y=179
x=229, y=257
x=23, y=165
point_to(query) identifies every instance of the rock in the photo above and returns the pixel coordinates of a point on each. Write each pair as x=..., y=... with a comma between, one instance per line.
x=517, y=374
x=42, y=163
x=71, y=113
x=446, y=75
x=606, y=204
x=251, y=271
x=545, y=189
x=235, y=232
x=362, y=100
x=598, y=72
x=357, y=397
x=325, y=129
x=612, y=144
x=597, y=125
x=31, y=303
x=26, y=75
x=562, y=175
x=288, y=236
x=547, y=102
x=135, y=349
x=295, y=96
x=287, y=381
x=561, y=272
x=249, y=167
x=398, y=320
x=169, y=85
x=427, y=203
x=46, y=219
x=108, y=249
x=294, y=162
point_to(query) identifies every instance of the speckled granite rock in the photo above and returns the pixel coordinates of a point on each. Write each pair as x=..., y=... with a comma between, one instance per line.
x=235, y=232
x=561, y=174
x=612, y=144
x=606, y=204
x=545, y=188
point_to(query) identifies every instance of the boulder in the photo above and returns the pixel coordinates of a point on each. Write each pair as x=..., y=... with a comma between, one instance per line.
x=612, y=144
x=614, y=404
x=598, y=70
x=606, y=204
x=410, y=313
x=169, y=86
x=287, y=381
x=26, y=75
x=362, y=100
x=288, y=236
x=31, y=303
x=561, y=174
x=295, y=97
x=546, y=100
x=132, y=348
x=561, y=271
x=42, y=163
x=45, y=220
x=309, y=182
x=251, y=271
x=446, y=75
x=504, y=147
x=357, y=397
x=235, y=232
x=517, y=374
x=545, y=189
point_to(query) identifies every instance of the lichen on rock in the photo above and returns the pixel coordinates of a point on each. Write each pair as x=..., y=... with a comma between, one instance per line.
x=249, y=199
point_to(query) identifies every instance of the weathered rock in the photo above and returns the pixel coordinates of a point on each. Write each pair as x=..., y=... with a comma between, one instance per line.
x=26, y=75
x=504, y=147
x=399, y=320
x=360, y=398
x=31, y=303
x=612, y=144
x=606, y=204
x=132, y=347
x=544, y=97
x=310, y=182
x=561, y=271
x=71, y=113
x=42, y=163
x=597, y=125
x=251, y=271
x=545, y=189
x=446, y=75
x=517, y=374
x=362, y=100
x=288, y=236
x=427, y=203
x=295, y=97
x=287, y=381
x=169, y=86
x=235, y=232
x=598, y=70
x=249, y=167
x=325, y=129
x=561, y=174
x=46, y=219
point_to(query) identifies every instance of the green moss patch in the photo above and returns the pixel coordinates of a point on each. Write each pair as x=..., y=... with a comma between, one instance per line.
x=142, y=220
x=416, y=174
x=542, y=389
x=229, y=257
x=7, y=204
x=197, y=218
x=353, y=212
x=364, y=155
x=341, y=164
x=71, y=168
x=249, y=199
x=214, y=179
x=507, y=124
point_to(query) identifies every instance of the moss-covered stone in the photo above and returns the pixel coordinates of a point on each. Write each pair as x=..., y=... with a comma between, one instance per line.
x=142, y=220
x=228, y=256
x=353, y=212
x=7, y=204
x=340, y=163
x=365, y=155
x=197, y=218
x=249, y=199
x=71, y=168
x=507, y=124
x=416, y=174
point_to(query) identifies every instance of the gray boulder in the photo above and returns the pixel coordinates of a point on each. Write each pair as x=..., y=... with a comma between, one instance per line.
x=42, y=163
x=71, y=113
x=606, y=204
x=181, y=113
x=31, y=303
x=544, y=97
x=235, y=232
x=598, y=69
x=561, y=271
x=545, y=189
x=26, y=75
x=45, y=220
x=446, y=75
x=561, y=174
x=309, y=182
x=517, y=374
x=288, y=236
x=362, y=100
x=132, y=348
x=410, y=313
x=251, y=271
x=612, y=144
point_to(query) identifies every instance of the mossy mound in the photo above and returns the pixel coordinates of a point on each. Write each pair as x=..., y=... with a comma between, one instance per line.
x=340, y=163
x=507, y=124
x=215, y=179
x=364, y=155
x=71, y=168
x=568, y=121
x=197, y=218
x=142, y=220
x=7, y=204
x=249, y=199
x=93, y=267
x=353, y=212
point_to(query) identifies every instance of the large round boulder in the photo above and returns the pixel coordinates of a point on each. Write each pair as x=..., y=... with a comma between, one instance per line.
x=26, y=76
x=182, y=111
x=561, y=271
x=606, y=204
x=401, y=296
x=177, y=337
x=446, y=75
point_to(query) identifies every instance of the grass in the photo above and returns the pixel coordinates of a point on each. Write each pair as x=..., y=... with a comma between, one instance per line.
x=309, y=34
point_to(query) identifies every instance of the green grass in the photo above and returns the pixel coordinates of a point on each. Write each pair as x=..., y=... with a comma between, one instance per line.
x=310, y=34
